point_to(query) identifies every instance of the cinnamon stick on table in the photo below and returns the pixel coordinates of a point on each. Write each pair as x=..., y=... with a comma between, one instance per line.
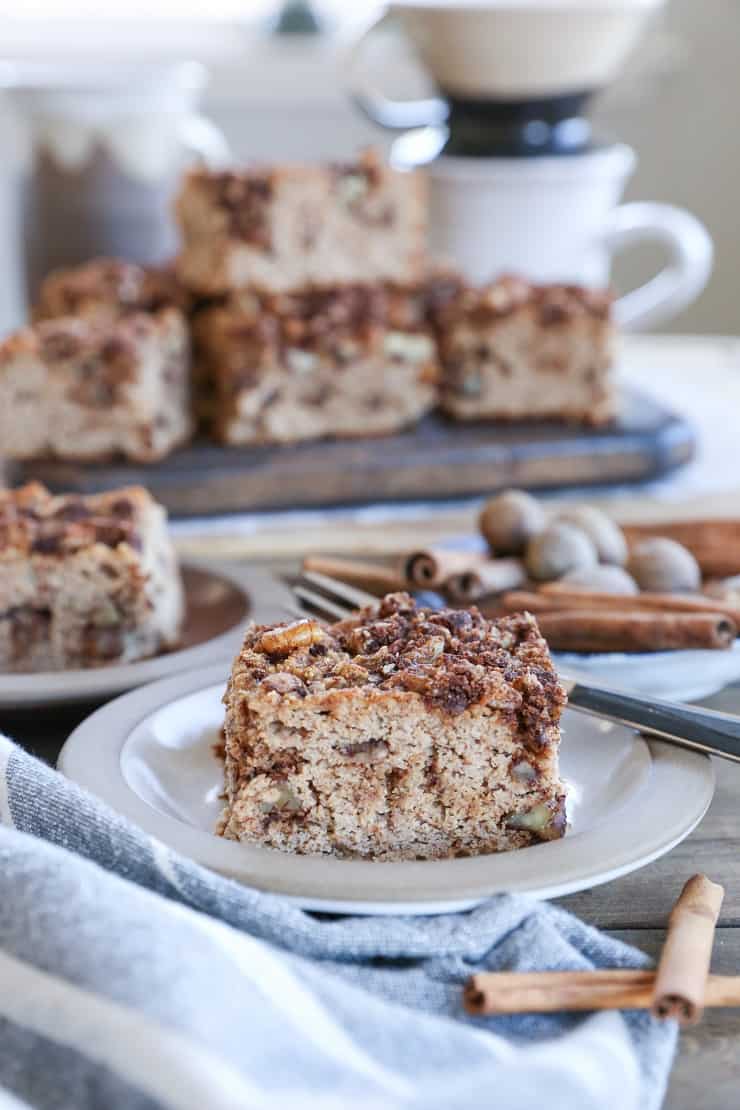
x=571, y=597
x=517, y=601
x=680, y=984
x=547, y=992
x=375, y=578
x=633, y=631
x=680, y=988
x=429, y=568
x=492, y=576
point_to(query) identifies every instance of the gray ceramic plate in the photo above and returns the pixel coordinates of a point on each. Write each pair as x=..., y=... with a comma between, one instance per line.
x=219, y=599
x=149, y=754
x=673, y=675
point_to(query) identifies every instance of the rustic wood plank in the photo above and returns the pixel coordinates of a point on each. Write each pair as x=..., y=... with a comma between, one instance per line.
x=641, y=900
x=437, y=459
x=706, y=1072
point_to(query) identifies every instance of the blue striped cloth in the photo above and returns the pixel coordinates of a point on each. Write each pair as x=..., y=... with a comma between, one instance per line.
x=132, y=978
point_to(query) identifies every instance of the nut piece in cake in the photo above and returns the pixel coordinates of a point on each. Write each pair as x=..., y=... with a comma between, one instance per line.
x=85, y=581
x=400, y=733
x=85, y=389
x=350, y=360
x=513, y=350
x=279, y=228
x=107, y=288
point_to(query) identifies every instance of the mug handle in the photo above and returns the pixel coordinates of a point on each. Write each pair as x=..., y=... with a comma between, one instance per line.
x=393, y=115
x=205, y=141
x=680, y=282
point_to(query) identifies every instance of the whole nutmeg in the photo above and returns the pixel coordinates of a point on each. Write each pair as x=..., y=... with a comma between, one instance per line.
x=607, y=536
x=602, y=579
x=509, y=521
x=661, y=565
x=559, y=549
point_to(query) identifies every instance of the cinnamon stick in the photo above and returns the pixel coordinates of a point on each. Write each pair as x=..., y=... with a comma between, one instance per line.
x=493, y=576
x=715, y=544
x=375, y=578
x=569, y=597
x=680, y=987
x=430, y=568
x=546, y=992
x=594, y=630
x=516, y=601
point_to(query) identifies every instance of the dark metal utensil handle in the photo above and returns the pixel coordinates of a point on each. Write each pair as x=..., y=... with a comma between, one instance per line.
x=702, y=730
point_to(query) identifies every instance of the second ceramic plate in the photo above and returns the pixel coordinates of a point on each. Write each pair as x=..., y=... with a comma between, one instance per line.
x=150, y=755
x=672, y=675
x=219, y=601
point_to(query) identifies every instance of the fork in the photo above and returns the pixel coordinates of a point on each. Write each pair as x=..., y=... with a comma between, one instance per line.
x=701, y=730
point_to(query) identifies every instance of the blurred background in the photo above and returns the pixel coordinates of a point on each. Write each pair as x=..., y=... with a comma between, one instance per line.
x=276, y=89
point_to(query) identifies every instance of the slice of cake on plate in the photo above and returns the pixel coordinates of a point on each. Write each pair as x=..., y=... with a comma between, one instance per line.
x=401, y=733
x=85, y=581
x=278, y=228
x=351, y=360
x=82, y=388
x=514, y=351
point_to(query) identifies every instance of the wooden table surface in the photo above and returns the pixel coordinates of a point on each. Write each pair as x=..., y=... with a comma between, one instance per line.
x=706, y=1073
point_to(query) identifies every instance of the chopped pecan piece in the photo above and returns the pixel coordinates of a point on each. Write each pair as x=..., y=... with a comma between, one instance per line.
x=291, y=637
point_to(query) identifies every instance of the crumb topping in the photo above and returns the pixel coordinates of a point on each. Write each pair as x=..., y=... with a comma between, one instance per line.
x=452, y=658
x=69, y=337
x=552, y=304
x=244, y=197
x=35, y=522
x=107, y=283
x=357, y=187
x=367, y=168
x=338, y=324
x=307, y=317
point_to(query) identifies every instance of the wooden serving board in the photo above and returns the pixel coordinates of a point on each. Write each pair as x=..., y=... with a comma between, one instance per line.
x=437, y=459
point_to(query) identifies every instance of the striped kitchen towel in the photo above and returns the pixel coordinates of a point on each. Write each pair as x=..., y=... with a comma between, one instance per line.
x=132, y=978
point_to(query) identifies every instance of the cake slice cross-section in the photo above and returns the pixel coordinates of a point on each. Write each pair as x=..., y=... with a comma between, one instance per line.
x=400, y=733
x=79, y=388
x=85, y=581
x=352, y=360
x=512, y=350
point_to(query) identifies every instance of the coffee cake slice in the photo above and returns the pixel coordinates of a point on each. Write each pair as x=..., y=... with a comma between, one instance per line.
x=516, y=351
x=351, y=360
x=79, y=388
x=279, y=228
x=401, y=733
x=85, y=581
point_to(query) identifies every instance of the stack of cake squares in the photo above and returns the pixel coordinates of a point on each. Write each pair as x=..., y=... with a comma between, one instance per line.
x=330, y=320
x=313, y=311
x=314, y=324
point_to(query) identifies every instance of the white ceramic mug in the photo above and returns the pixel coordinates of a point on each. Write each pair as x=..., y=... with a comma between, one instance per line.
x=559, y=219
x=103, y=148
x=500, y=50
